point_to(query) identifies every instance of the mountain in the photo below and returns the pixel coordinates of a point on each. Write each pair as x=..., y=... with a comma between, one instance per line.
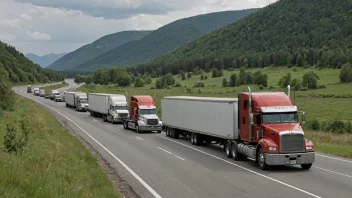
x=297, y=33
x=165, y=39
x=16, y=68
x=45, y=60
x=98, y=47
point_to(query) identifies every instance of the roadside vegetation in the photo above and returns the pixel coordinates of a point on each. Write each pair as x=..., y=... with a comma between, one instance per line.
x=323, y=94
x=53, y=87
x=38, y=158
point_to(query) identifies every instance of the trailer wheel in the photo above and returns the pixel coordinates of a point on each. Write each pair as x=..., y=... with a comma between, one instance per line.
x=167, y=132
x=174, y=133
x=228, y=149
x=192, y=138
x=137, y=129
x=125, y=124
x=235, y=155
x=196, y=139
x=261, y=160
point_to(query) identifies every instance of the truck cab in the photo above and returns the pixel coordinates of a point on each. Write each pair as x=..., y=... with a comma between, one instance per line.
x=143, y=115
x=271, y=132
x=29, y=88
x=81, y=102
x=118, y=109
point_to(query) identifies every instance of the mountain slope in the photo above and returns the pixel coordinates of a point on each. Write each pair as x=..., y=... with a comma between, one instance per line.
x=165, y=39
x=100, y=46
x=45, y=60
x=300, y=32
x=18, y=69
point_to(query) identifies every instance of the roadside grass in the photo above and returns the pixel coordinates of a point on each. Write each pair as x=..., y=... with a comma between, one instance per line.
x=53, y=87
x=324, y=104
x=53, y=164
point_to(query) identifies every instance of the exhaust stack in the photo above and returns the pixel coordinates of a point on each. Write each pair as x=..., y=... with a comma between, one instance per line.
x=288, y=91
x=250, y=116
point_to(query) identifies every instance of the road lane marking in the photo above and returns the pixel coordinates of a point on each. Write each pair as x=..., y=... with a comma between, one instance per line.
x=249, y=170
x=165, y=150
x=180, y=157
x=348, y=161
x=139, y=138
x=150, y=189
x=333, y=172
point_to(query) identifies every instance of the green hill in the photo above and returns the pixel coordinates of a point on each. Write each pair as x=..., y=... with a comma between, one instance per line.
x=299, y=33
x=98, y=47
x=165, y=39
x=16, y=68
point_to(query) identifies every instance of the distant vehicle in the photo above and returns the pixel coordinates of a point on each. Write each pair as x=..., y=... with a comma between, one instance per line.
x=47, y=96
x=42, y=93
x=36, y=91
x=77, y=100
x=63, y=96
x=53, y=93
x=58, y=98
x=29, y=88
x=143, y=115
x=111, y=107
x=261, y=126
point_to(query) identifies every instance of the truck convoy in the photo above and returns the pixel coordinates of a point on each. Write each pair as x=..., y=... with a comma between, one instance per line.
x=261, y=126
x=29, y=88
x=111, y=107
x=77, y=100
x=143, y=115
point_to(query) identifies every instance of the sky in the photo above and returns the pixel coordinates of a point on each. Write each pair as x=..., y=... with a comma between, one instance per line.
x=56, y=26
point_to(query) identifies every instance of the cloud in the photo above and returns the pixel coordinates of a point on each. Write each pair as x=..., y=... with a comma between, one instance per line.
x=27, y=17
x=39, y=36
x=6, y=37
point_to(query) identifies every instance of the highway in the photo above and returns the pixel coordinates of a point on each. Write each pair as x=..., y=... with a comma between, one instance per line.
x=157, y=166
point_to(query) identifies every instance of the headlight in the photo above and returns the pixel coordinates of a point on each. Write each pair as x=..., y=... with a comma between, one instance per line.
x=309, y=148
x=272, y=148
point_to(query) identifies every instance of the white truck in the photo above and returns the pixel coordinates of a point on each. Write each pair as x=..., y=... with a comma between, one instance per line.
x=77, y=100
x=53, y=93
x=36, y=91
x=111, y=107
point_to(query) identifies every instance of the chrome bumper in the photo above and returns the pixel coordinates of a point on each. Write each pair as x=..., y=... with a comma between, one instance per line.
x=289, y=159
x=150, y=128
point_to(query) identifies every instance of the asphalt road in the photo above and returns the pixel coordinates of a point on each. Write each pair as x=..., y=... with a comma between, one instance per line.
x=157, y=166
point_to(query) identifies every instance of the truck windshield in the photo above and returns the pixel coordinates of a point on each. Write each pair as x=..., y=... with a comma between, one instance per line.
x=147, y=111
x=120, y=107
x=83, y=101
x=271, y=118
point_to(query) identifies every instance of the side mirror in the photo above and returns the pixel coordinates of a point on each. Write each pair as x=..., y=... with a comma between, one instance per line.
x=303, y=117
x=251, y=119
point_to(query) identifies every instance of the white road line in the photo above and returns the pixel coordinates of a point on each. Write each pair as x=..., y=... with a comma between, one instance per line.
x=333, y=172
x=139, y=138
x=180, y=158
x=165, y=150
x=249, y=170
x=150, y=189
x=348, y=161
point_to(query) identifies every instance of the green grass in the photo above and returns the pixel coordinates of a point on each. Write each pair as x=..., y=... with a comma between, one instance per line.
x=323, y=108
x=53, y=164
x=53, y=87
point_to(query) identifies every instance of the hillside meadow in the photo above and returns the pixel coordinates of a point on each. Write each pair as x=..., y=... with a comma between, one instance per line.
x=324, y=104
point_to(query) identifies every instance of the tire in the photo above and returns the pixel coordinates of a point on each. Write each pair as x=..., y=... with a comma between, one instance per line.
x=174, y=134
x=261, y=160
x=159, y=131
x=112, y=121
x=196, y=139
x=192, y=138
x=125, y=124
x=137, y=129
x=235, y=154
x=306, y=166
x=228, y=149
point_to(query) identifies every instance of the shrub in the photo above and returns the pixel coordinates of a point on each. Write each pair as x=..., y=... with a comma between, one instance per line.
x=315, y=125
x=321, y=86
x=177, y=85
x=15, y=141
x=199, y=84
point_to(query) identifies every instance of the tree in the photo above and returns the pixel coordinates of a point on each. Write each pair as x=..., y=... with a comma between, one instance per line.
x=260, y=79
x=88, y=80
x=183, y=76
x=296, y=84
x=233, y=80
x=285, y=80
x=139, y=82
x=346, y=73
x=299, y=60
x=215, y=72
x=224, y=82
x=242, y=76
x=189, y=75
x=310, y=80
x=7, y=97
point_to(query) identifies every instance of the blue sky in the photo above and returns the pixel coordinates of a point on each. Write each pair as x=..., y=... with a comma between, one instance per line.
x=56, y=26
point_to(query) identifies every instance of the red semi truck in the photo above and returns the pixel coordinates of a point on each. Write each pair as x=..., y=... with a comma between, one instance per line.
x=143, y=115
x=261, y=126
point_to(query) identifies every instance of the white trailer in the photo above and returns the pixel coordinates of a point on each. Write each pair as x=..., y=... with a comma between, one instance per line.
x=111, y=107
x=77, y=100
x=205, y=119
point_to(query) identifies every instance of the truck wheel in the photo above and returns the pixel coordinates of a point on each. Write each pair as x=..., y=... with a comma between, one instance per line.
x=261, y=160
x=234, y=148
x=228, y=149
x=174, y=133
x=196, y=139
x=159, y=131
x=167, y=132
x=192, y=138
x=137, y=129
x=125, y=124
x=306, y=166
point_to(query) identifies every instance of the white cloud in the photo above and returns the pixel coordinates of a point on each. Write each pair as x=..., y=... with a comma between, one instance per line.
x=39, y=36
x=43, y=26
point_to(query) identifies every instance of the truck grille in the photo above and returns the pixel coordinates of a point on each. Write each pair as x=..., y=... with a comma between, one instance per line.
x=123, y=115
x=291, y=143
x=152, y=122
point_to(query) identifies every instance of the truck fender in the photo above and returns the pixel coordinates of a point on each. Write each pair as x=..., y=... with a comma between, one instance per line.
x=140, y=123
x=263, y=143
